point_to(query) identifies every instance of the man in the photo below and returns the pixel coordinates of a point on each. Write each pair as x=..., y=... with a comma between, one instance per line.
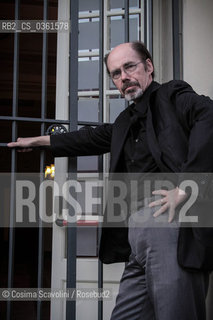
x=167, y=128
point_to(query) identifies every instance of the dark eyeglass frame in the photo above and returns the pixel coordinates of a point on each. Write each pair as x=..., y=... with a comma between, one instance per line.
x=128, y=68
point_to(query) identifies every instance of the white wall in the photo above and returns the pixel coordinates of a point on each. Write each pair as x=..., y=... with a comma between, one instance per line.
x=162, y=40
x=198, y=64
x=198, y=45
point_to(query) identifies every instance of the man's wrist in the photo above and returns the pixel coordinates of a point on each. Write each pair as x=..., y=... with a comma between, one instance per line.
x=41, y=141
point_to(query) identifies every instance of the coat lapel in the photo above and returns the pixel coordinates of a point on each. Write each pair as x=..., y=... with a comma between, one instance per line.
x=121, y=129
x=119, y=135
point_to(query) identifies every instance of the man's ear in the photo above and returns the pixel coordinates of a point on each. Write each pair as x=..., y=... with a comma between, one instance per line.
x=149, y=66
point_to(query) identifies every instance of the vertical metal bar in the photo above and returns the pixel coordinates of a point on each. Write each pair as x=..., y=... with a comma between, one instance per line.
x=44, y=64
x=145, y=22
x=13, y=162
x=176, y=40
x=150, y=26
x=126, y=29
x=100, y=159
x=42, y=155
x=101, y=59
x=126, y=20
x=72, y=165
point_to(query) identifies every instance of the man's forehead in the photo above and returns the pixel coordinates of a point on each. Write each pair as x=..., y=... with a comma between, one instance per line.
x=121, y=55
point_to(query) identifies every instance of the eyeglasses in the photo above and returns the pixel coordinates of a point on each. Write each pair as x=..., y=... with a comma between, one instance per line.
x=128, y=68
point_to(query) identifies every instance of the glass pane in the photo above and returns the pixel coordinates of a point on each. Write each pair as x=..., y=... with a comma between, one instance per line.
x=82, y=197
x=88, y=110
x=30, y=76
x=51, y=75
x=111, y=85
x=7, y=10
x=116, y=4
x=6, y=104
x=88, y=74
x=30, y=108
x=88, y=163
x=6, y=74
x=5, y=131
x=134, y=3
x=6, y=160
x=31, y=11
x=88, y=34
x=134, y=27
x=85, y=5
x=116, y=31
x=29, y=161
x=28, y=129
x=116, y=106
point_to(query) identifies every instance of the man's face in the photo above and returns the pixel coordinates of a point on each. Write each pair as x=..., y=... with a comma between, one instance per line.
x=131, y=84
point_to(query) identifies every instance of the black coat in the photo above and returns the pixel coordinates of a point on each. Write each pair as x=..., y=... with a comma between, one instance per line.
x=180, y=138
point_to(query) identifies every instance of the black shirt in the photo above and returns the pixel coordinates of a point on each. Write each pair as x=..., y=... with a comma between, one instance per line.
x=137, y=156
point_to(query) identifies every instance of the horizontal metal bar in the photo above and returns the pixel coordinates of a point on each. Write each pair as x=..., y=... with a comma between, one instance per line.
x=109, y=13
x=88, y=93
x=3, y=145
x=112, y=92
x=96, y=93
x=94, y=53
x=27, y=119
x=92, y=123
x=122, y=12
x=86, y=123
x=88, y=15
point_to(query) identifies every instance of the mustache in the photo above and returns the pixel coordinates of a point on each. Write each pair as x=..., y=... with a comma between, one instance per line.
x=130, y=84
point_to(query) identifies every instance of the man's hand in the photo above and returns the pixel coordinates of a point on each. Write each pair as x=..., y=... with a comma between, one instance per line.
x=172, y=198
x=26, y=144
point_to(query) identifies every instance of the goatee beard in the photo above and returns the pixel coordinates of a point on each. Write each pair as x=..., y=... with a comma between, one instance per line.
x=134, y=95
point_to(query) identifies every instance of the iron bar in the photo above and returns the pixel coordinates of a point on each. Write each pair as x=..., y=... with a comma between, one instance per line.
x=42, y=156
x=72, y=163
x=150, y=26
x=51, y=121
x=100, y=158
x=126, y=20
x=13, y=162
x=176, y=39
